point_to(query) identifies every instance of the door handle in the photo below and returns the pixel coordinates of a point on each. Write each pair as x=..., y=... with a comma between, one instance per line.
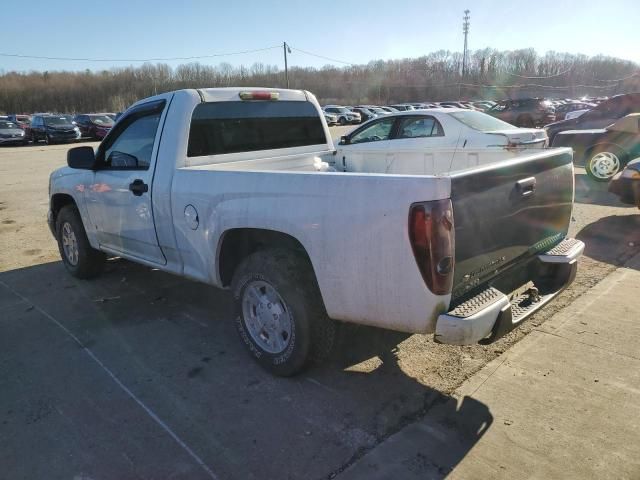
x=527, y=186
x=138, y=187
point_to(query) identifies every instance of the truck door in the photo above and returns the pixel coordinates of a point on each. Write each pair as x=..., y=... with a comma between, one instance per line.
x=119, y=199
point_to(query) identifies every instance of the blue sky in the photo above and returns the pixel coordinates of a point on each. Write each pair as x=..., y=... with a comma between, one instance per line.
x=351, y=30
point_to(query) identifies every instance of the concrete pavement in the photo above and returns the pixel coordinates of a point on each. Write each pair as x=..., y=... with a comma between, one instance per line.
x=562, y=403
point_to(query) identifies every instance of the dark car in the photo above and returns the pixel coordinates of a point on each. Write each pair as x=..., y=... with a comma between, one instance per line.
x=604, y=114
x=524, y=112
x=563, y=109
x=605, y=151
x=94, y=125
x=365, y=113
x=11, y=133
x=52, y=129
x=626, y=184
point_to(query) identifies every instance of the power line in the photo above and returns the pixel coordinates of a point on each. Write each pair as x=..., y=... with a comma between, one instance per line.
x=619, y=79
x=543, y=77
x=321, y=56
x=157, y=59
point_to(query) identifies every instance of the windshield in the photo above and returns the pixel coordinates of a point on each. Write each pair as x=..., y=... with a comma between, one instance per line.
x=101, y=120
x=56, y=121
x=6, y=125
x=481, y=121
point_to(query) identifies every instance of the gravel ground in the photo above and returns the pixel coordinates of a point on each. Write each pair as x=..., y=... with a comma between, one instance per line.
x=376, y=382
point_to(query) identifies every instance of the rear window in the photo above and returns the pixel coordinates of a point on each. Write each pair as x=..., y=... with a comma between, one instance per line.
x=233, y=127
x=481, y=121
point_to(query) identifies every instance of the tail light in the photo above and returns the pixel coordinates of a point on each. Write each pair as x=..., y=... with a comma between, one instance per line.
x=432, y=239
x=257, y=95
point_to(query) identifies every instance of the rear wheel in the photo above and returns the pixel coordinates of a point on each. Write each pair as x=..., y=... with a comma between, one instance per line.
x=604, y=162
x=280, y=315
x=79, y=258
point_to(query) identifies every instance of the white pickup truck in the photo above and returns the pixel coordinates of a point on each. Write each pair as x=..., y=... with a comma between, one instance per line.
x=226, y=186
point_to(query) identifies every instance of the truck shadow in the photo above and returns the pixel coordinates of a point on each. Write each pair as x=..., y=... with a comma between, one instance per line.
x=172, y=342
x=613, y=239
x=594, y=193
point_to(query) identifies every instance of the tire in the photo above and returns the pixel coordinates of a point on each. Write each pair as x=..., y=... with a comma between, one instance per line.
x=34, y=140
x=85, y=262
x=525, y=121
x=603, y=162
x=342, y=121
x=281, y=284
x=47, y=140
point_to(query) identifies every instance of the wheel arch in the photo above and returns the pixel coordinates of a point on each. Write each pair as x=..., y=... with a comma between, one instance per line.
x=238, y=243
x=589, y=150
x=58, y=201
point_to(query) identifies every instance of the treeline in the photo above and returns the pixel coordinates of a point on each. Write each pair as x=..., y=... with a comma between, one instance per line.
x=490, y=74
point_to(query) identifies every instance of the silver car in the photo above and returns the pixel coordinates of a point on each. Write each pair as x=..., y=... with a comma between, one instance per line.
x=11, y=133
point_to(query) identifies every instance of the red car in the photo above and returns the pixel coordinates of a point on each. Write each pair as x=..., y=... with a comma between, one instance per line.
x=94, y=125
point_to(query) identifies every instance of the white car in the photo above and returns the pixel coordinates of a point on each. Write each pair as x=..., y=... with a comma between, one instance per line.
x=345, y=116
x=225, y=186
x=331, y=118
x=575, y=113
x=433, y=141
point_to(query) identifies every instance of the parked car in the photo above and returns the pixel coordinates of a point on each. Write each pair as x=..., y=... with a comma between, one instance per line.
x=402, y=107
x=52, y=129
x=11, y=133
x=331, y=118
x=562, y=110
x=575, y=114
x=525, y=112
x=23, y=121
x=390, y=109
x=94, y=125
x=365, y=113
x=453, y=105
x=345, y=115
x=604, y=114
x=604, y=152
x=433, y=142
x=626, y=184
x=254, y=210
x=378, y=111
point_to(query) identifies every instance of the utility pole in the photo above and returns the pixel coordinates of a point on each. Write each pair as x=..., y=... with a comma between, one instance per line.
x=465, y=30
x=286, y=49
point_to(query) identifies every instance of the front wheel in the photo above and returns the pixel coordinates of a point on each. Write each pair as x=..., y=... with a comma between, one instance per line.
x=604, y=163
x=280, y=315
x=342, y=121
x=79, y=258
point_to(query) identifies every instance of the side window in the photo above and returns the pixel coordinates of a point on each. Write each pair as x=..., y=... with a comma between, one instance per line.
x=374, y=133
x=132, y=148
x=417, y=127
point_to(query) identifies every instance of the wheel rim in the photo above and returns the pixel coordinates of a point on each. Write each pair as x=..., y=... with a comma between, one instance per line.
x=604, y=165
x=69, y=244
x=266, y=317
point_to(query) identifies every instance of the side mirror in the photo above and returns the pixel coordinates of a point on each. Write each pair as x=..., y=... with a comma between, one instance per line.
x=82, y=158
x=344, y=140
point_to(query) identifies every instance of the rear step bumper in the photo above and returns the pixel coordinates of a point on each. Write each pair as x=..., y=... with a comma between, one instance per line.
x=490, y=314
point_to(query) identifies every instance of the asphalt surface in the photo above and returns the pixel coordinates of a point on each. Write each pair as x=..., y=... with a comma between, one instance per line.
x=140, y=374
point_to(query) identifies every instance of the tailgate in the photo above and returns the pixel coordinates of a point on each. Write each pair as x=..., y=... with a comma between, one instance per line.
x=507, y=212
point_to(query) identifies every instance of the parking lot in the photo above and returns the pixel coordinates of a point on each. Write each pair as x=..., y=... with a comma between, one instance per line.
x=140, y=374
